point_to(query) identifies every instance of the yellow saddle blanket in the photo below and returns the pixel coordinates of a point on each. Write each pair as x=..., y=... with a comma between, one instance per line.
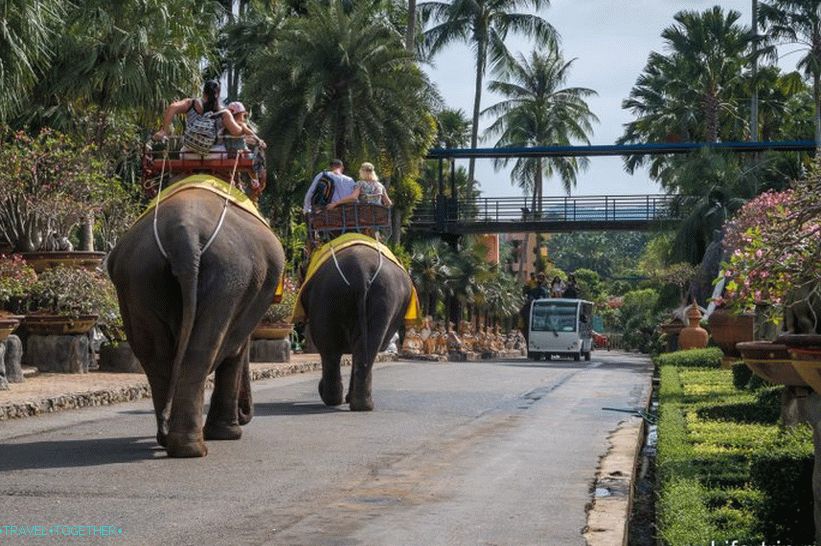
x=214, y=185
x=324, y=253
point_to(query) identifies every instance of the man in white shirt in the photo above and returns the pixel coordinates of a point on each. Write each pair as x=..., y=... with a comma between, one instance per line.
x=343, y=185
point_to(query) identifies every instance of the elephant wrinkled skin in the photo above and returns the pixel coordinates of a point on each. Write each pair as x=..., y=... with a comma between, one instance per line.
x=193, y=313
x=359, y=319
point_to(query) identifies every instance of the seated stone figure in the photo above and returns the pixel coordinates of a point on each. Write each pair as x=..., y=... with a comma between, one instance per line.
x=412, y=345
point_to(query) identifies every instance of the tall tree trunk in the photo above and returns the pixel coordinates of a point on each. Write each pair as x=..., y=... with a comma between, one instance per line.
x=711, y=116
x=481, y=58
x=816, y=89
x=538, y=185
x=410, y=32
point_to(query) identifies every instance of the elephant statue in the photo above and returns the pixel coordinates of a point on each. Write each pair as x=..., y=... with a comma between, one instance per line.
x=192, y=313
x=355, y=307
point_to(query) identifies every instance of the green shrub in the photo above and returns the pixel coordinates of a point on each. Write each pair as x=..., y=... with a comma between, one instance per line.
x=693, y=358
x=683, y=517
x=783, y=473
x=757, y=382
x=741, y=375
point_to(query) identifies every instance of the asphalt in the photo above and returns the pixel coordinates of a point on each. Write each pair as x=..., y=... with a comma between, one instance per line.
x=454, y=453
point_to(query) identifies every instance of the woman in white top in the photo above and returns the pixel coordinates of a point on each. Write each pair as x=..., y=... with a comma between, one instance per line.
x=368, y=189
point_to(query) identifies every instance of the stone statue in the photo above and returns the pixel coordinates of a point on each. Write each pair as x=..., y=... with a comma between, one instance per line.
x=455, y=344
x=412, y=345
x=441, y=340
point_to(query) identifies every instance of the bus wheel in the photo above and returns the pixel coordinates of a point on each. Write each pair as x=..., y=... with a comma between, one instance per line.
x=577, y=357
x=587, y=356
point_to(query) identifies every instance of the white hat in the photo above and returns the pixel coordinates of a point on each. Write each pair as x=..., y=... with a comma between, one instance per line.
x=236, y=107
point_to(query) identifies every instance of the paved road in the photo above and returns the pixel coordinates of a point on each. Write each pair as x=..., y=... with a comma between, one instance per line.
x=454, y=453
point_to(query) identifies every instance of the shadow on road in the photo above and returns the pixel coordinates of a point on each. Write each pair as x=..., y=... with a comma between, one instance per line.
x=571, y=365
x=74, y=453
x=294, y=408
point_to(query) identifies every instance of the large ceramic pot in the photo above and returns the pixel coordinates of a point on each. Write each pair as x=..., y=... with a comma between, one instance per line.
x=47, y=325
x=728, y=330
x=805, y=356
x=771, y=362
x=40, y=261
x=276, y=330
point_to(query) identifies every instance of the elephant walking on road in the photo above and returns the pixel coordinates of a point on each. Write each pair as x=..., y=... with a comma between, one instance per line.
x=192, y=313
x=357, y=318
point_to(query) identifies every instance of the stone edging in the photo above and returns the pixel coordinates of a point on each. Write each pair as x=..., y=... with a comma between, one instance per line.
x=608, y=516
x=140, y=390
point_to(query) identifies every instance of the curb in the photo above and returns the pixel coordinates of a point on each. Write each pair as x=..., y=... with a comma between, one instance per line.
x=609, y=515
x=140, y=390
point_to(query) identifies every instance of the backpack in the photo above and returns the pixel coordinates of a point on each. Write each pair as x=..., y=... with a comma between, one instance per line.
x=323, y=192
x=201, y=131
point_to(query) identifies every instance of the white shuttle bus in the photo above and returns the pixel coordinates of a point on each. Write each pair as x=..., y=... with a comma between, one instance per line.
x=561, y=327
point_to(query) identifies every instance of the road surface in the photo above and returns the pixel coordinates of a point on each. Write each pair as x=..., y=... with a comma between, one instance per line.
x=454, y=453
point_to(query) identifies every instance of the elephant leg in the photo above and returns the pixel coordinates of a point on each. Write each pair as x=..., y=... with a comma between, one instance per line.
x=185, y=437
x=245, y=404
x=159, y=394
x=359, y=395
x=330, y=386
x=222, y=422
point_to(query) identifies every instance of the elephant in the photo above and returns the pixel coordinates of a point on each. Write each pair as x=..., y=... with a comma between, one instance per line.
x=359, y=318
x=193, y=312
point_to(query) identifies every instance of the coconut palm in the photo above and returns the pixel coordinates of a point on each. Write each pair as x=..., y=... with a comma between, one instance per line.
x=695, y=90
x=484, y=25
x=798, y=22
x=28, y=32
x=537, y=110
x=453, y=128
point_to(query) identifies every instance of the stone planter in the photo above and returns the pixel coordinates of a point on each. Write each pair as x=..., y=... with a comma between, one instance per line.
x=270, y=350
x=771, y=362
x=693, y=336
x=805, y=356
x=40, y=261
x=119, y=358
x=727, y=330
x=8, y=323
x=273, y=331
x=59, y=354
x=43, y=324
x=672, y=331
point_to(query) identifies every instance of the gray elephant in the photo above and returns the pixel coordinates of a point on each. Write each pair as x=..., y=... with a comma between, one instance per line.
x=357, y=318
x=192, y=313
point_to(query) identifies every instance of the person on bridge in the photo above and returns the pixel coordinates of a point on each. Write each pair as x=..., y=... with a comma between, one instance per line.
x=328, y=187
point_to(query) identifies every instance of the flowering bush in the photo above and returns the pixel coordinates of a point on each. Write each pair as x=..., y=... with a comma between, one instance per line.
x=15, y=279
x=282, y=311
x=48, y=184
x=775, y=249
x=70, y=291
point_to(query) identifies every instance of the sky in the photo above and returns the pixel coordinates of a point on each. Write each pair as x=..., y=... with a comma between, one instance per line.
x=611, y=40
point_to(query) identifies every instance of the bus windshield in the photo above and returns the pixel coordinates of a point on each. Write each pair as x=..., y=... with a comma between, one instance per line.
x=554, y=316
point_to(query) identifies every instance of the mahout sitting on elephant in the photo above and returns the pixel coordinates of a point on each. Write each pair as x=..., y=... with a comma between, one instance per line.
x=189, y=312
x=354, y=304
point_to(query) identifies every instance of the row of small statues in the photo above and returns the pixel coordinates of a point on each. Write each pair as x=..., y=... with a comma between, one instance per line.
x=435, y=339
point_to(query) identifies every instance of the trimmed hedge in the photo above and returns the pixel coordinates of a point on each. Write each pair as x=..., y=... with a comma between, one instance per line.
x=741, y=375
x=693, y=358
x=783, y=474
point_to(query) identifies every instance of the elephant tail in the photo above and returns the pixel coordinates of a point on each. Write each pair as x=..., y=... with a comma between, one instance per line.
x=362, y=311
x=188, y=278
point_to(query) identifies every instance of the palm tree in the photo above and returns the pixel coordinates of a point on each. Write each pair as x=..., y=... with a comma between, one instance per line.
x=484, y=24
x=798, y=22
x=453, y=128
x=694, y=91
x=341, y=83
x=28, y=31
x=539, y=111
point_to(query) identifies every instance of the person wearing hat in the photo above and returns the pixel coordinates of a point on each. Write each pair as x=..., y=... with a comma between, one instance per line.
x=240, y=115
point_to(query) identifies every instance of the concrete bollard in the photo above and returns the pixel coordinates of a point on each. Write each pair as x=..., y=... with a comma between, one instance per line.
x=270, y=350
x=60, y=354
x=14, y=359
x=4, y=384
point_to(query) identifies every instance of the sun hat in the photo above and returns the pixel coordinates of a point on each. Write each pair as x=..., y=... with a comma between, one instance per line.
x=236, y=107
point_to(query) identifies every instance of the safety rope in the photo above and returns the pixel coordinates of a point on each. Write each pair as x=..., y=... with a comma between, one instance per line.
x=378, y=269
x=224, y=207
x=157, y=206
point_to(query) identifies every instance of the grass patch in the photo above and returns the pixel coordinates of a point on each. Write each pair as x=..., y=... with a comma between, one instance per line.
x=726, y=468
x=694, y=358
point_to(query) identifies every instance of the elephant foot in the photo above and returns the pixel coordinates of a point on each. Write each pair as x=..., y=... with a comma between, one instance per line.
x=361, y=404
x=213, y=431
x=162, y=438
x=245, y=413
x=331, y=396
x=185, y=445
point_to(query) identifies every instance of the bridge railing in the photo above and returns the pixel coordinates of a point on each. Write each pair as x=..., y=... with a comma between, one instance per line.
x=608, y=208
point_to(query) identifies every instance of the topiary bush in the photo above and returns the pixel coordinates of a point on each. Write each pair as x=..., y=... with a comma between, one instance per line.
x=783, y=474
x=694, y=358
x=741, y=375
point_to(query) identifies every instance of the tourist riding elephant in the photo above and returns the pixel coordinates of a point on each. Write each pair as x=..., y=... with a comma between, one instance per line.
x=359, y=318
x=192, y=313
